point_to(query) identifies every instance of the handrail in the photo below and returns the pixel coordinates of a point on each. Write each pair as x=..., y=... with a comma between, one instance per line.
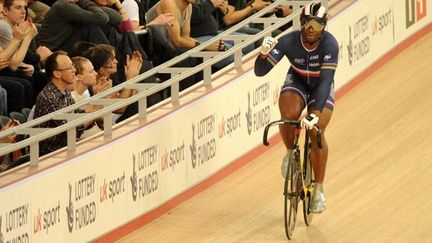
x=271, y=23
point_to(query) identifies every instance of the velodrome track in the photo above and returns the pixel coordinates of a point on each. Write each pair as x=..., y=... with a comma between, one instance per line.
x=378, y=182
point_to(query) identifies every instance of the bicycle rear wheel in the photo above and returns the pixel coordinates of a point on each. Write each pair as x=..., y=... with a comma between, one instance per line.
x=291, y=193
x=309, y=179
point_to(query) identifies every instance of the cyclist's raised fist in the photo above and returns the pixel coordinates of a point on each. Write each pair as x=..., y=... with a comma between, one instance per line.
x=268, y=44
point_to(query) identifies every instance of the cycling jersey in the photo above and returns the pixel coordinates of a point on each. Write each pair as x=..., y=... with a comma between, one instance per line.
x=312, y=71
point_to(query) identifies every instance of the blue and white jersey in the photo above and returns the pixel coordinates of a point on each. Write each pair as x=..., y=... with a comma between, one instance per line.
x=314, y=68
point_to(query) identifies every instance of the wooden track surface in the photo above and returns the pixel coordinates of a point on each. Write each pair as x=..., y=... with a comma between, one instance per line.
x=378, y=182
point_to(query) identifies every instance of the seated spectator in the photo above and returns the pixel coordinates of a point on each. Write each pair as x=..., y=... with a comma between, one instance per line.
x=14, y=16
x=37, y=10
x=4, y=160
x=55, y=96
x=205, y=25
x=105, y=64
x=205, y=15
x=136, y=9
x=68, y=22
x=180, y=26
x=113, y=6
x=179, y=30
x=155, y=42
x=19, y=90
x=86, y=77
x=238, y=10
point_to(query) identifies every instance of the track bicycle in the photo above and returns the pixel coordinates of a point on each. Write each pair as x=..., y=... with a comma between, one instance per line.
x=300, y=179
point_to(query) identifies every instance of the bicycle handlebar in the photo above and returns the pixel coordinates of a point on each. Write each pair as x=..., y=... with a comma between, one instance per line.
x=295, y=123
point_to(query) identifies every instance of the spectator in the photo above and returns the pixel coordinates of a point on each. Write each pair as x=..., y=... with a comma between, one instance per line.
x=115, y=7
x=105, y=64
x=86, y=77
x=238, y=10
x=179, y=30
x=37, y=10
x=68, y=22
x=205, y=25
x=241, y=9
x=55, y=96
x=180, y=26
x=155, y=42
x=19, y=90
x=205, y=15
x=4, y=160
x=14, y=16
x=136, y=10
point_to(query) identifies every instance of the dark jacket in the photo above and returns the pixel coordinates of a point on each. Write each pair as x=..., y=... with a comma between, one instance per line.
x=204, y=19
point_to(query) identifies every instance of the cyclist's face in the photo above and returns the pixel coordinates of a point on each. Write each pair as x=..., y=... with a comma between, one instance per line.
x=312, y=28
x=310, y=34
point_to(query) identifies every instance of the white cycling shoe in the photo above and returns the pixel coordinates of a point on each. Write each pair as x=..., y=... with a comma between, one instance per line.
x=318, y=204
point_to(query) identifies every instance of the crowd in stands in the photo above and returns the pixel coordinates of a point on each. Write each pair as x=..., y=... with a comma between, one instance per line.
x=56, y=53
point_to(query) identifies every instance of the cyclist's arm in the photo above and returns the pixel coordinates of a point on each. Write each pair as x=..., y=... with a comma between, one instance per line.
x=264, y=63
x=328, y=69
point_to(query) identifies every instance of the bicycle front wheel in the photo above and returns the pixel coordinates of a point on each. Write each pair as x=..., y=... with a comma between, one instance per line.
x=309, y=179
x=292, y=193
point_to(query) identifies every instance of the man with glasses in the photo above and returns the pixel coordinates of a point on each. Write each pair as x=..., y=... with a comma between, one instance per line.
x=55, y=96
x=313, y=54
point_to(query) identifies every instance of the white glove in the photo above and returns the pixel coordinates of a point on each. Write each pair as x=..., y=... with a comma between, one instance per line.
x=267, y=45
x=309, y=121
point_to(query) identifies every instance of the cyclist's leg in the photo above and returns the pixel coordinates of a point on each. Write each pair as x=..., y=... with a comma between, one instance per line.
x=319, y=155
x=291, y=104
x=292, y=101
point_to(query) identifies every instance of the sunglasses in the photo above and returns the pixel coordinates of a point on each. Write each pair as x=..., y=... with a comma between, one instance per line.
x=316, y=24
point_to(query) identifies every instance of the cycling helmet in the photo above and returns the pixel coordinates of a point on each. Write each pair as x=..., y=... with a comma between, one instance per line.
x=314, y=15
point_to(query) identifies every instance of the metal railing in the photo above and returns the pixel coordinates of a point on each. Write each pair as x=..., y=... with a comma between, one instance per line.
x=35, y=135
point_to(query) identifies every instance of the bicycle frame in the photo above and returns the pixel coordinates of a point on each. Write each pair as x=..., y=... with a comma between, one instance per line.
x=293, y=192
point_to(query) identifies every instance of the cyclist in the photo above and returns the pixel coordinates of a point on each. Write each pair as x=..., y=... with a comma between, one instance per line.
x=313, y=54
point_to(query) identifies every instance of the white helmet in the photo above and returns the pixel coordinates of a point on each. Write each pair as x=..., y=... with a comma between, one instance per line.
x=314, y=15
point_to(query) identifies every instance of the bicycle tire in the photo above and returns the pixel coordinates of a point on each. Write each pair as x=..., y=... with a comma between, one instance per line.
x=291, y=193
x=308, y=179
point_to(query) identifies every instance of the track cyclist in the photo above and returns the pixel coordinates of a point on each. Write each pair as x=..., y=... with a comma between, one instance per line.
x=313, y=54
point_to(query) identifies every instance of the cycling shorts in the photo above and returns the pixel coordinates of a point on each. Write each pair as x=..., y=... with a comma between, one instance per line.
x=295, y=85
